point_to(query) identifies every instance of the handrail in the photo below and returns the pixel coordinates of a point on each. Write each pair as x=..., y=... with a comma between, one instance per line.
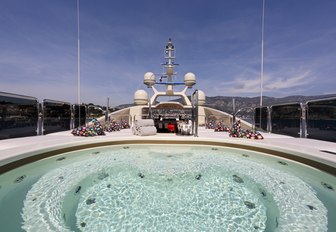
x=253, y=115
x=194, y=113
x=18, y=96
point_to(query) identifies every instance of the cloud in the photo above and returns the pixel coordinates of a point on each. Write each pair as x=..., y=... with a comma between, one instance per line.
x=274, y=85
x=291, y=82
x=222, y=47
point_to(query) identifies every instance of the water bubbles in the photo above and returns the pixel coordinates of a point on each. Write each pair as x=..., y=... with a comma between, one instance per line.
x=192, y=189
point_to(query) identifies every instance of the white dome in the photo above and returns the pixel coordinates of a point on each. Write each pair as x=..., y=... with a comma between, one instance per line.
x=201, y=98
x=140, y=97
x=189, y=79
x=149, y=79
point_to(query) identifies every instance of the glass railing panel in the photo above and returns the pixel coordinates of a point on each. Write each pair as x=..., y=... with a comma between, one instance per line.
x=18, y=116
x=169, y=113
x=94, y=112
x=79, y=115
x=321, y=120
x=117, y=122
x=246, y=115
x=286, y=119
x=56, y=116
x=120, y=118
x=261, y=124
x=214, y=121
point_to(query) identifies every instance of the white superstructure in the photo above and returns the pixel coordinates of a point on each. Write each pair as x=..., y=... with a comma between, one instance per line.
x=170, y=111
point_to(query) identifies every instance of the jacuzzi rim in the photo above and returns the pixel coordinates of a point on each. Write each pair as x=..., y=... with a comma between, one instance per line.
x=40, y=154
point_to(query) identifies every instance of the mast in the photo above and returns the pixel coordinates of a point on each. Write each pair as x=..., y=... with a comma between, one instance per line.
x=169, y=65
x=166, y=78
x=78, y=67
x=262, y=61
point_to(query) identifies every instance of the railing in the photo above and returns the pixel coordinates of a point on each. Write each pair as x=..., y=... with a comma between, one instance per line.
x=94, y=111
x=78, y=115
x=18, y=116
x=22, y=116
x=261, y=117
x=194, y=113
x=312, y=119
x=321, y=119
x=56, y=116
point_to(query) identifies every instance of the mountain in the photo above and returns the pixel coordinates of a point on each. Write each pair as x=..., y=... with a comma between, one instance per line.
x=119, y=107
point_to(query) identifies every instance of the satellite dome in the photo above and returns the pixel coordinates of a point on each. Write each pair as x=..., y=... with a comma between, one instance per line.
x=149, y=79
x=189, y=79
x=201, y=97
x=140, y=97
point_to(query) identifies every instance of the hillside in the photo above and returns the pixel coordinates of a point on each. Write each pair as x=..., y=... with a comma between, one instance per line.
x=225, y=103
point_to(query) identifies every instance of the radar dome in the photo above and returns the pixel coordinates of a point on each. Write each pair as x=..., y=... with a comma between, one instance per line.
x=149, y=79
x=201, y=97
x=140, y=97
x=189, y=79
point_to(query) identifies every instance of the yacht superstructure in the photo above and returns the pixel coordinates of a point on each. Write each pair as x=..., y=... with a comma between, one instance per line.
x=167, y=114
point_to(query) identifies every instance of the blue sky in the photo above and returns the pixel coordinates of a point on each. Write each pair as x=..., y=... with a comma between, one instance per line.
x=218, y=40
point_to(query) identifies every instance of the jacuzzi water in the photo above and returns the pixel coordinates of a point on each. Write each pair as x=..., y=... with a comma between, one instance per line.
x=160, y=188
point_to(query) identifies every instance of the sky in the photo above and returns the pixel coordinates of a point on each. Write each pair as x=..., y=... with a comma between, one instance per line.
x=218, y=40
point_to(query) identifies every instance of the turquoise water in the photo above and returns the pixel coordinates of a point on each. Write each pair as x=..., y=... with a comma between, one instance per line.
x=176, y=188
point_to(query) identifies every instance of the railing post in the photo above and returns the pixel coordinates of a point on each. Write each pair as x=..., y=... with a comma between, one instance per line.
x=39, y=129
x=72, y=119
x=194, y=113
x=233, y=111
x=253, y=119
x=41, y=117
x=269, y=119
x=107, y=110
x=149, y=109
x=303, y=121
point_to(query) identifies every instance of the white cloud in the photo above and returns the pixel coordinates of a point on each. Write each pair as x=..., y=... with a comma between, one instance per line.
x=273, y=85
x=279, y=83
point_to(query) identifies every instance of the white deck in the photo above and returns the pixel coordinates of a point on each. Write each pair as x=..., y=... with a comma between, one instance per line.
x=15, y=149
